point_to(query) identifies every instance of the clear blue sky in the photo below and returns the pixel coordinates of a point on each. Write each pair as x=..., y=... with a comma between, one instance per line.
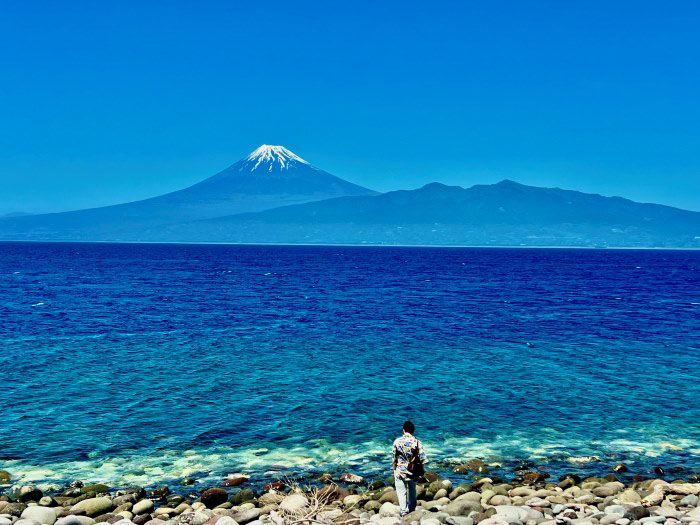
x=104, y=102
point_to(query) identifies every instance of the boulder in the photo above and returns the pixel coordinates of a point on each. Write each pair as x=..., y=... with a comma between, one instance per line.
x=97, y=488
x=525, y=492
x=354, y=500
x=144, y=506
x=630, y=496
x=294, y=503
x=416, y=515
x=226, y=520
x=462, y=506
x=694, y=514
x=617, y=510
x=372, y=506
x=246, y=516
x=44, y=515
x=214, y=497
x=389, y=495
x=29, y=493
x=242, y=496
x=351, y=478
x=270, y=498
x=513, y=513
x=459, y=520
x=5, y=477
x=75, y=520
x=691, y=500
x=234, y=481
x=26, y=522
x=331, y=493
x=93, y=506
x=388, y=509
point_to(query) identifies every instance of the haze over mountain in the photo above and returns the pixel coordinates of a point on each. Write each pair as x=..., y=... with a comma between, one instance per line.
x=269, y=177
x=275, y=196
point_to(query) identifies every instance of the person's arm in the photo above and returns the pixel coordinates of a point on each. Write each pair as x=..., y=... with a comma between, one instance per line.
x=421, y=454
x=394, y=456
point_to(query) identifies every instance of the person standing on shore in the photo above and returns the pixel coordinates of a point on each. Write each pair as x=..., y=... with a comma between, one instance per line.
x=409, y=458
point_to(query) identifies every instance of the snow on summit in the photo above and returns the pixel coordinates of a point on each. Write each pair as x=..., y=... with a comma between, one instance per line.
x=271, y=158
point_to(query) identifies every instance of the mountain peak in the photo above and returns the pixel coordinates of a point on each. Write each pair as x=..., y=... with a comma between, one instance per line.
x=271, y=158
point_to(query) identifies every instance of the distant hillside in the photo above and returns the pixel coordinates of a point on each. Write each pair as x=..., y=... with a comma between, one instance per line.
x=506, y=213
x=269, y=177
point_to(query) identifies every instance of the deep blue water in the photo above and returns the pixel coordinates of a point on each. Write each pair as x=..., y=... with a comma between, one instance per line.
x=147, y=363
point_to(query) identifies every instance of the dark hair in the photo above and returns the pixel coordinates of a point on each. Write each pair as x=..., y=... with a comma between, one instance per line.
x=409, y=427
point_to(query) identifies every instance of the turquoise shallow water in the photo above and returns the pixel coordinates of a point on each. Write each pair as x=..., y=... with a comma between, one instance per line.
x=148, y=363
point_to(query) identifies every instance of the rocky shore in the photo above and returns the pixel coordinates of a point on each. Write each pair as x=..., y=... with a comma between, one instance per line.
x=528, y=499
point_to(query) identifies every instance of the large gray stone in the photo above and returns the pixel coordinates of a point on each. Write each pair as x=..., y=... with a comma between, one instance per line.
x=616, y=509
x=694, y=514
x=75, y=520
x=294, y=503
x=246, y=516
x=388, y=509
x=93, y=506
x=44, y=515
x=26, y=521
x=459, y=520
x=462, y=506
x=513, y=513
x=142, y=507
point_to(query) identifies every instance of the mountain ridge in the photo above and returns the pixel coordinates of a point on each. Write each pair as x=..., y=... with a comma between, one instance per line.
x=236, y=189
x=274, y=195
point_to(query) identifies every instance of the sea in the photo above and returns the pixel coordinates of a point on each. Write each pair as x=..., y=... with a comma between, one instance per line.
x=143, y=364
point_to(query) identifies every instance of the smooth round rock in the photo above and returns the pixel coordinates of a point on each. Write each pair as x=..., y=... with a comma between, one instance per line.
x=142, y=507
x=294, y=503
x=26, y=522
x=44, y=515
x=93, y=506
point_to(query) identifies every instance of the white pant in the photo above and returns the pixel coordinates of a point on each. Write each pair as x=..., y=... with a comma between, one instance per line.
x=406, y=492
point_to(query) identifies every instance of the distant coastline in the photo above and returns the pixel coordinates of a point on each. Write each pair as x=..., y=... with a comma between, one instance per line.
x=365, y=245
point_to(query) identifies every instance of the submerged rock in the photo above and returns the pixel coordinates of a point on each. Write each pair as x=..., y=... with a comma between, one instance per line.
x=351, y=478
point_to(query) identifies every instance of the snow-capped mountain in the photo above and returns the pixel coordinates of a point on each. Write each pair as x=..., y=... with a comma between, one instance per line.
x=268, y=177
x=271, y=159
